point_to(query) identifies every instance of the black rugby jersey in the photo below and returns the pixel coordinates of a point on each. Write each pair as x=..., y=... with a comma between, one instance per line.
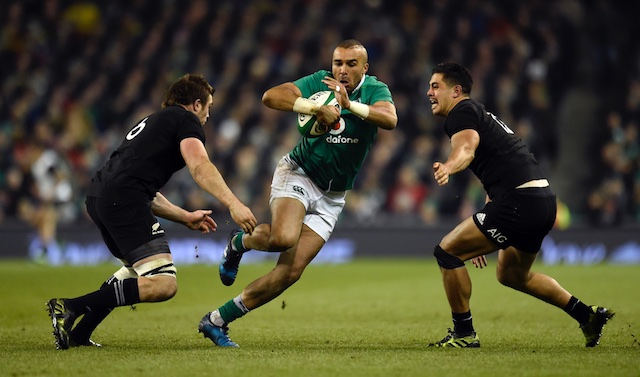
x=502, y=161
x=147, y=157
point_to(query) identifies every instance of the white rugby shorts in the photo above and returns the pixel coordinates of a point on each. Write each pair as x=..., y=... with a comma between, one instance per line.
x=323, y=207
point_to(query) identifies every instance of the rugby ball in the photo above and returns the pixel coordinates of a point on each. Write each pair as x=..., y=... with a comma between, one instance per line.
x=308, y=125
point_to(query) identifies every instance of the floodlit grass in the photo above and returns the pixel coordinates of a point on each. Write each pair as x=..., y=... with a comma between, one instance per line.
x=366, y=318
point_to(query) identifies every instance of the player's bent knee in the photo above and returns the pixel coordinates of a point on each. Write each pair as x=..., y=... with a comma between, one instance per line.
x=510, y=279
x=280, y=243
x=169, y=287
x=157, y=288
x=446, y=260
x=282, y=277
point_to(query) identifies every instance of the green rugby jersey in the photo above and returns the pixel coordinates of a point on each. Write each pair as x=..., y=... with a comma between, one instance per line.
x=333, y=160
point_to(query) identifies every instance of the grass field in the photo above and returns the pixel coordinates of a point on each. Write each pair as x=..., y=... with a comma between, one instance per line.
x=365, y=318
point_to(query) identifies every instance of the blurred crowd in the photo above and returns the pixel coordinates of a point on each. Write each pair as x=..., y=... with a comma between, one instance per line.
x=74, y=75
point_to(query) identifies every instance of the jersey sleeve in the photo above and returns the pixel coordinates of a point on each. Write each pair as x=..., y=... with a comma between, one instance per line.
x=312, y=83
x=375, y=91
x=189, y=126
x=462, y=118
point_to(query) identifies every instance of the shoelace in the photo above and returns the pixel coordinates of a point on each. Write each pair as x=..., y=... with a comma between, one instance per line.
x=446, y=338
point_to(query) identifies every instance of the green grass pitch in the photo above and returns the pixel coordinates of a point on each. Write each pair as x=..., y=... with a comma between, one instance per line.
x=364, y=318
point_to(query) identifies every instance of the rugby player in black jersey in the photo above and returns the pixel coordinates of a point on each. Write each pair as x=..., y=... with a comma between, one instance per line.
x=520, y=210
x=123, y=200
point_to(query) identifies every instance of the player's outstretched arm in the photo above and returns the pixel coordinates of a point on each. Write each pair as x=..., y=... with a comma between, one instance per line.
x=207, y=176
x=196, y=220
x=463, y=151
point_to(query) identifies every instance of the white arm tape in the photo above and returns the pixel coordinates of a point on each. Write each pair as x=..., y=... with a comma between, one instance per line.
x=305, y=106
x=359, y=109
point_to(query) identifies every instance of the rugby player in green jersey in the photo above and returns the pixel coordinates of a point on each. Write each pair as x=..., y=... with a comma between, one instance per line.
x=310, y=183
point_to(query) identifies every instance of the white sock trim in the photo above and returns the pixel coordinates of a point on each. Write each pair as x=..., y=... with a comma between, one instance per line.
x=240, y=304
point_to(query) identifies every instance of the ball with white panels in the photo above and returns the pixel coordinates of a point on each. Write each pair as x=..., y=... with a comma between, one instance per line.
x=308, y=125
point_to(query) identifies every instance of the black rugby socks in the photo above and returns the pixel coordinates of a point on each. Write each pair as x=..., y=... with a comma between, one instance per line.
x=120, y=293
x=462, y=323
x=578, y=310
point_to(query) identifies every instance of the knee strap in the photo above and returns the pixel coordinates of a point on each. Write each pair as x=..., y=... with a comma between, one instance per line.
x=446, y=260
x=125, y=272
x=157, y=267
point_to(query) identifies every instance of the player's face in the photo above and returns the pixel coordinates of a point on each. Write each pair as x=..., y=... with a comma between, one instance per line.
x=441, y=96
x=349, y=65
x=202, y=111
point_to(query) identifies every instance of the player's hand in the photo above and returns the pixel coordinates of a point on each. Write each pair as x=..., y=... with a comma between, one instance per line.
x=328, y=116
x=243, y=216
x=479, y=262
x=200, y=220
x=339, y=91
x=440, y=173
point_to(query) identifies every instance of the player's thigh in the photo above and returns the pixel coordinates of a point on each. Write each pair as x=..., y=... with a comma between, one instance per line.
x=514, y=264
x=308, y=246
x=467, y=241
x=287, y=215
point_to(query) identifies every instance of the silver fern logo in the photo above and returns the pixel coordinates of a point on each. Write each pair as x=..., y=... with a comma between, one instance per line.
x=156, y=229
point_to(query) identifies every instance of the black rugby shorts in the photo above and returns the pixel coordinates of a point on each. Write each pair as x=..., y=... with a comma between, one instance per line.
x=520, y=218
x=125, y=226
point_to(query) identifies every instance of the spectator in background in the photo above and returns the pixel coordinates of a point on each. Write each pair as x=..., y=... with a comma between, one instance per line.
x=405, y=196
x=612, y=200
x=517, y=51
x=607, y=203
x=51, y=177
x=40, y=190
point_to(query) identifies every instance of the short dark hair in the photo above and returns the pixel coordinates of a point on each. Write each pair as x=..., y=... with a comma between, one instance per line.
x=455, y=74
x=348, y=43
x=353, y=43
x=187, y=90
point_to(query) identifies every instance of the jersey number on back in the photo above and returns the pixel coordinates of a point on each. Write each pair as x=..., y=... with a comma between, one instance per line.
x=135, y=131
x=501, y=123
